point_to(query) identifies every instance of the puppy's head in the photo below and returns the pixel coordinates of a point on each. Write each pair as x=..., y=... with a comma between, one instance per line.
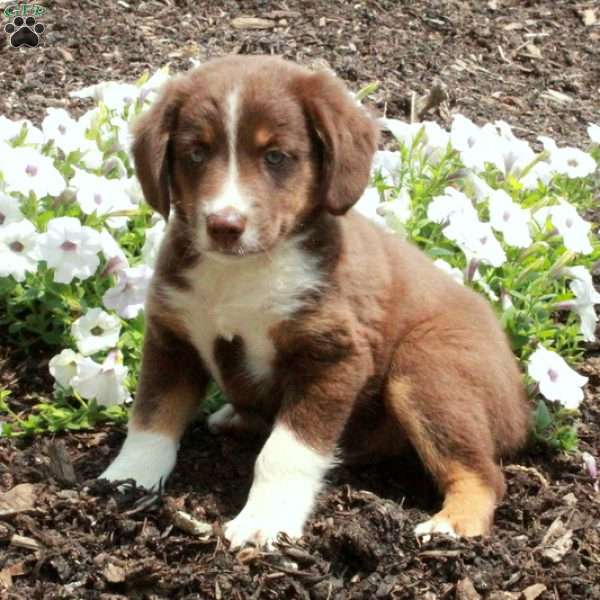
x=247, y=148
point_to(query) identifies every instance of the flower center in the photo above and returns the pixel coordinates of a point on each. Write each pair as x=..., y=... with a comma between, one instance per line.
x=98, y=199
x=31, y=170
x=553, y=375
x=62, y=129
x=506, y=216
x=569, y=223
x=16, y=247
x=2, y=218
x=68, y=246
x=97, y=330
x=572, y=162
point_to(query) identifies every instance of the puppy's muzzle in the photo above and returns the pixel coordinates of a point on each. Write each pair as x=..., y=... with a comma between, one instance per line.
x=225, y=227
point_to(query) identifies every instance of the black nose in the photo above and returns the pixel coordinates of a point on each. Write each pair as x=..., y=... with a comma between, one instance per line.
x=226, y=225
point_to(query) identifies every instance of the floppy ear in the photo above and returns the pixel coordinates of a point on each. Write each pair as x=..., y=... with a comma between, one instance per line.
x=151, y=147
x=349, y=137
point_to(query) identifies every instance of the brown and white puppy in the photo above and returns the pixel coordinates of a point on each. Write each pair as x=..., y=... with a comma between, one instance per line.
x=341, y=340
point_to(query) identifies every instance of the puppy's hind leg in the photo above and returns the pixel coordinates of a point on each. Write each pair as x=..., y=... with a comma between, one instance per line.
x=455, y=445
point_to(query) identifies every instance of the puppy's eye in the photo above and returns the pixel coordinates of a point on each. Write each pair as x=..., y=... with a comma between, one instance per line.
x=274, y=157
x=198, y=155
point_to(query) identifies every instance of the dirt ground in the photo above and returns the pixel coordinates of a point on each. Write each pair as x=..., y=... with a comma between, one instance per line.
x=533, y=63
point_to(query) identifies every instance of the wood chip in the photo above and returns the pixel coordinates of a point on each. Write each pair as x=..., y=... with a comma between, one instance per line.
x=189, y=524
x=20, y=541
x=114, y=573
x=465, y=590
x=252, y=23
x=588, y=16
x=7, y=573
x=60, y=464
x=557, y=541
x=21, y=498
x=557, y=97
x=530, y=470
x=283, y=14
x=249, y=554
x=533, y=591
x=67, y=56
x=533, y=51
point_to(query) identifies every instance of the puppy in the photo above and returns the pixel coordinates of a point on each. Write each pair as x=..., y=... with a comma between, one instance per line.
x=340, y=340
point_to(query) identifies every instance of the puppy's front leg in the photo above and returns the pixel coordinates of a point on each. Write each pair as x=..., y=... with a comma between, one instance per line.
x=172, y=383
x=290, y=469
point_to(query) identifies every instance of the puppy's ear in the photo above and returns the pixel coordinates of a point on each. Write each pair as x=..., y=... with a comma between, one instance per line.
x=348, y=136
x=150, y=147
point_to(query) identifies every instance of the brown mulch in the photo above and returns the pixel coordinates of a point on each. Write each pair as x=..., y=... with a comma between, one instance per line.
x=533, y=63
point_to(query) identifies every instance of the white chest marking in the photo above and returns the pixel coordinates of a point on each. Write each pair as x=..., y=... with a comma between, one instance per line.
x=244, y=297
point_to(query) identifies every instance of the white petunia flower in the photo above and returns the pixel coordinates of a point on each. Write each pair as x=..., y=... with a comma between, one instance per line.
x=114, y=94
x=102, y=382
x=113, y=252
x=133, y=189
x=541, y=172
x=92, y=157
x=396, y=210
x=586, y=297
x=594, y=133
x=124, y=134
x=454, y=272
x=481, y=189
x=26, y=170
x=510, y=219
x=572, y=162
x=556, y=380
x=573, y=229
x=18, y=249
x=388, y=164
x=154, y=237
x=404, y=132
x=9, y=210
x=99, y=195
x=96, y=331
x=151, y=88
x=63, y=366
x=475, y=239
x=452, y=203
x=70, y=248
x=9, y=129
x=129, y=295
x=368, y=205
x=516, y=153
x=66, y=133
x=476, y=145
x=434, y=139
x=463, y=133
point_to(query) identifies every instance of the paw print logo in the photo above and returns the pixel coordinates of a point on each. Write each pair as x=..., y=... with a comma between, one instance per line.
x=24, y=32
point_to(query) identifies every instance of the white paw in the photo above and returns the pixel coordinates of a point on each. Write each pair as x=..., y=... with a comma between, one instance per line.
x=147, y=458
x=229, y=420
x=434, y=525
x=261, y=530
x=223, y=419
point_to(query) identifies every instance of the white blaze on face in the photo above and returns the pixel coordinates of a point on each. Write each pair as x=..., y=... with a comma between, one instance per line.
x=230, y=195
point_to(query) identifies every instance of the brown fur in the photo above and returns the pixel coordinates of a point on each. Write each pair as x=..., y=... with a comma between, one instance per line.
x=391, y=352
